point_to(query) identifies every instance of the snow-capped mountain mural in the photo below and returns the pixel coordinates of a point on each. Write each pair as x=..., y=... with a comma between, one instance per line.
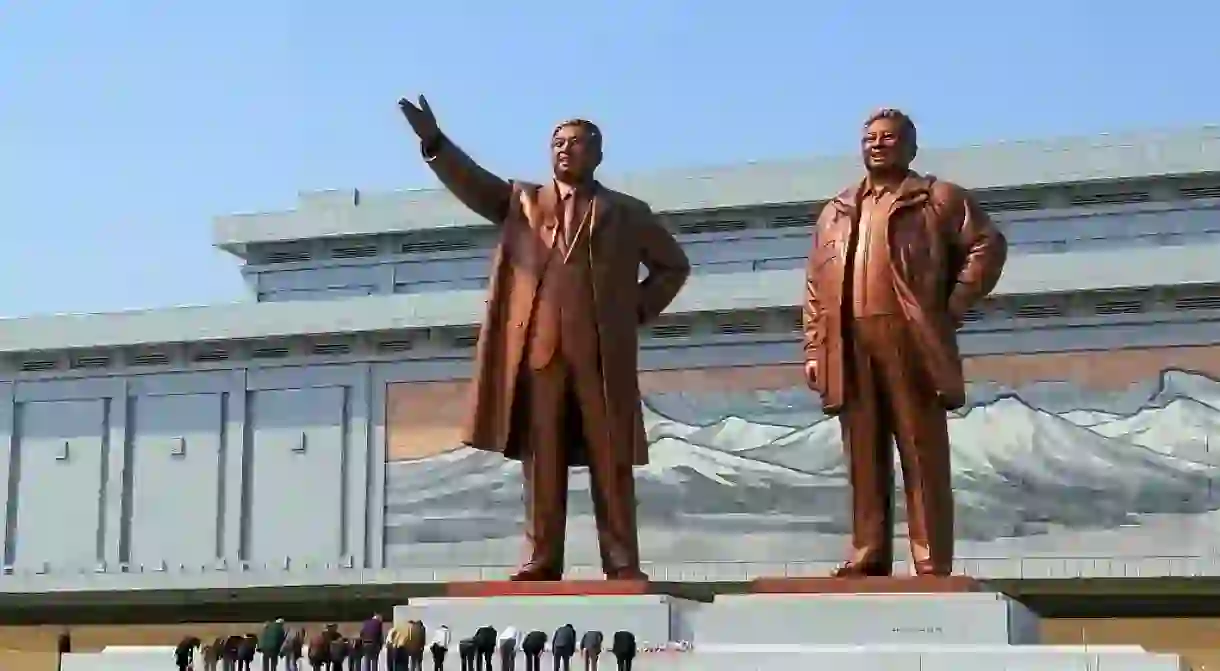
x=1047, y=458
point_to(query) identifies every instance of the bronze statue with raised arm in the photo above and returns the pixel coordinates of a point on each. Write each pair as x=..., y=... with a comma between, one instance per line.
x=555, y=383
x=897, y=260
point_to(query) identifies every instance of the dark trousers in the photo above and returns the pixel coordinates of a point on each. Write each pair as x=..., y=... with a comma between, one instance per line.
x=271, y=662
x=591, y=660
x=438, y=657
x=565, y=660
x=468, y=662
x=624, y=663
x=533, y=661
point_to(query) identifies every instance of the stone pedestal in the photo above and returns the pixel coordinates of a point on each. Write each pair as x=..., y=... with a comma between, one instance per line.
x=876, y=611
x=882, y=624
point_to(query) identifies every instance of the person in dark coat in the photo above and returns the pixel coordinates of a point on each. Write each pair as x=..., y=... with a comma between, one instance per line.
x=184, y=652
x=319, y=651
x=232, y=652
x=467, y=652
x=532, y=647
x=624, y=649
x=340, y=648
x=355, y=653
x=246, y=652
x=591, y=648
x=484, y=647
x=270, y=644
x=563, y=646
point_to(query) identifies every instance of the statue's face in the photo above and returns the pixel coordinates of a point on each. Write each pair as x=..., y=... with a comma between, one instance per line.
x=574, y=153
x=884, y=148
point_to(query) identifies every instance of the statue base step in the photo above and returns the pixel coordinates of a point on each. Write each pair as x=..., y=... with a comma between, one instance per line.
x=655, y=619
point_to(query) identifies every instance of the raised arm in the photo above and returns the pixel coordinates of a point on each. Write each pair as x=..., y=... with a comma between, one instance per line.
x=483, y=192
x=982, y=249
x=667, y=266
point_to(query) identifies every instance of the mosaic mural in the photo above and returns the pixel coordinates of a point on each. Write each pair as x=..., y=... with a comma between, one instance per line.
x=1043, y=467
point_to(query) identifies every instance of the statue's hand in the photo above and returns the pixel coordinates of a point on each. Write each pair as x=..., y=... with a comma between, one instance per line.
x=811, y=374
x=421, y=118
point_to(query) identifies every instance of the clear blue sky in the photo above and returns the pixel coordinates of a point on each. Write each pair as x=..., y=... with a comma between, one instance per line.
x=126, y=125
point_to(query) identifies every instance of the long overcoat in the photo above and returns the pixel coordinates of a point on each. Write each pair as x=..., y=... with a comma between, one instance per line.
x=623, y=235
x=946, y=255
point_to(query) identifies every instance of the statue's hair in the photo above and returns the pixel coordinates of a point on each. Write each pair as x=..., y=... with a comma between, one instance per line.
x=907, y=124
x=590, y=128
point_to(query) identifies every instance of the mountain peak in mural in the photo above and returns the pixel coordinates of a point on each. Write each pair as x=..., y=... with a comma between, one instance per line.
x=1025, y=461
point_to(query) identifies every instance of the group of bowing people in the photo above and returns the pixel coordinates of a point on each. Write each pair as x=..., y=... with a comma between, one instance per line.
x=478, y=651
x=404, y=647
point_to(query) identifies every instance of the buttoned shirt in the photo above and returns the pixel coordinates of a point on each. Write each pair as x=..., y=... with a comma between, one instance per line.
x=872, y=292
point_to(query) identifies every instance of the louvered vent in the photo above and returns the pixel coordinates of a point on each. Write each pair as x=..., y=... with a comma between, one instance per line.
x=1119, y=307
x=37, y=365
x=1114, y=198
x=1011, y=205
x=796, y=320
x=466, y=338
x=973, y=315
x=739, y=324
x=269, y=352
x=1195, y=192
x=1197, y=303
x=354, y=251
x=288, y=256
x=712, y=226
x=389, y=346
x=90, y=361
x=209, y=355
x=672, y=328
x=791, y=221
x=330, y=348
x=1039, y=311
x=149, y=359
x=436, y=245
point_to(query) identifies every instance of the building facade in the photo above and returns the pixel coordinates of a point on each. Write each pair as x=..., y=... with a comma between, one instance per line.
x=310, y=435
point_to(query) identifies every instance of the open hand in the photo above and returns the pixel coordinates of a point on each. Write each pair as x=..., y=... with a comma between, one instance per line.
x=421, y=118
x=811, y=374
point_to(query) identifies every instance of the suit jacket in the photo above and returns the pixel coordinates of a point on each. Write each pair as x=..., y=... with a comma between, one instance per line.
x=534, y=643
x=946, y=255
x=591, y=641
x=623, y=645
x=485, y=639
x=563, y=643
x=623, y=233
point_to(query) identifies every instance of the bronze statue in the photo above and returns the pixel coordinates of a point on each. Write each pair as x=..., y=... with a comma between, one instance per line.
x=555, y=382
x=896, y=262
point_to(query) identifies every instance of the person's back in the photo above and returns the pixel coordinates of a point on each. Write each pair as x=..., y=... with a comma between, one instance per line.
x=563, y=646
x=184, y=652
x=624, y=649
x=439, y=647
x=247, y=650
x=467, y=652
x=484, y=647
x=532, y=646
x=271, y=639
x=319, y=650
x=591, y=647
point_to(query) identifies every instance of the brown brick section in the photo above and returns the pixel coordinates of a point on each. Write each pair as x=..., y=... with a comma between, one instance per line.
x=424, y=418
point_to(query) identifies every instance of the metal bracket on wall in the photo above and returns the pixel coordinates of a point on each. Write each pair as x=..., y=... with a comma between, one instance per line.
x=64, y=451
x=178, y=449
x=301, y=444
